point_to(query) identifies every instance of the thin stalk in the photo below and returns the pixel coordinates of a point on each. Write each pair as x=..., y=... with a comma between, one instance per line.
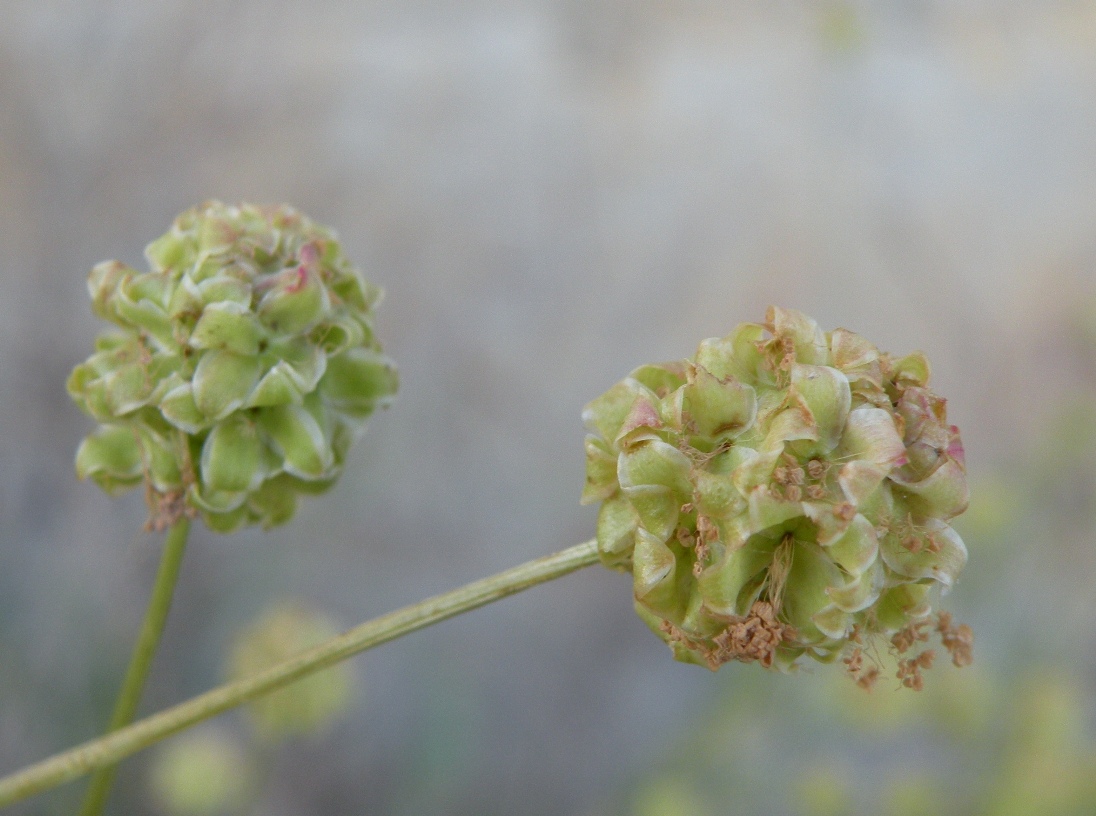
x=107, y=750
x=125, y=707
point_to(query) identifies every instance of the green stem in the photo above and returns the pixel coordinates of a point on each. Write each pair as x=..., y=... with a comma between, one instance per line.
x=125, y=708
x=107, y=750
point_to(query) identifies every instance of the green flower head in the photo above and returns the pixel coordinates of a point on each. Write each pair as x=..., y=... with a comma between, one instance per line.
x=784, y=494
x=243, y=365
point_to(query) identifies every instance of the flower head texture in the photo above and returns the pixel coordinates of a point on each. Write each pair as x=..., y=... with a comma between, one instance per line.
x=784, y=494
x=243, y=365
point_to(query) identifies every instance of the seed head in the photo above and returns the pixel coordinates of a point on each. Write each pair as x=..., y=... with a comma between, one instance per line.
x=243, y=365
x=784, y=494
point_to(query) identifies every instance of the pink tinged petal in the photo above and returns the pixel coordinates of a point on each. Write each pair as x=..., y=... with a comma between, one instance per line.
x=218, y=232
x=605, y=415
x=643, y=416
x=296, y=302
x=855, y=356
x=924, y=414
x=861, y=591
x=870, y=435
x=810, y=342
x=942, y=566
x=617, y=523
x=718, y=409
x=955, y=447
x=721, y=583
x=222, y=382
x=824, y=393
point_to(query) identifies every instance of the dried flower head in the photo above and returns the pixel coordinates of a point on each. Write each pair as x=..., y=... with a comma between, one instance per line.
x=783, y=494
x=244, y=367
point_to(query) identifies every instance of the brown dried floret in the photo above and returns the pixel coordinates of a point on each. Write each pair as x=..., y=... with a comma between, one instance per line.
x=752, y=637
x=868, y=678
x=904, y=639
x=958, y=640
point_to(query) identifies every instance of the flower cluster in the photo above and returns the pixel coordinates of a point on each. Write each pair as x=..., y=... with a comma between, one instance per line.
x=784, y=493
x=244, y=367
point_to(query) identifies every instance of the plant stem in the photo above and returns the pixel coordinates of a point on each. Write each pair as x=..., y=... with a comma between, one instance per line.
x=107, y=750
x=125, y=708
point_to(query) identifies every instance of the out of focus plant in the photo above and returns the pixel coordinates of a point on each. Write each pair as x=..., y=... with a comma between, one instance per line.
x=206, y=772
x=308, y=705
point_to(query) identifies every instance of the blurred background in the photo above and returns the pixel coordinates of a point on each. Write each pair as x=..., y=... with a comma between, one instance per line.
x=552, y=193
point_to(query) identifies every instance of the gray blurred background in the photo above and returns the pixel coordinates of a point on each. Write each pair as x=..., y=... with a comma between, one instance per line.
x=552, y=193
